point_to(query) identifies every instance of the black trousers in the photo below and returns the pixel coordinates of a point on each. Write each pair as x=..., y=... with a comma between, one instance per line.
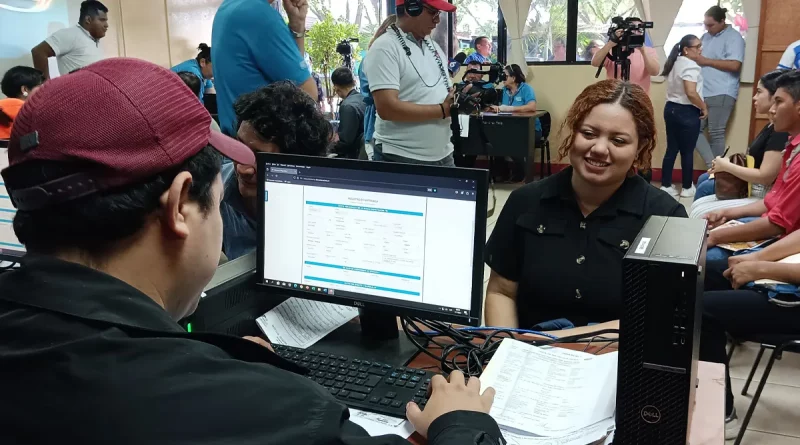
x=742, y=314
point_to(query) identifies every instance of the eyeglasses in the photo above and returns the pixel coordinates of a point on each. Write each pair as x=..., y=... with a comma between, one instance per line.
x=434, y=12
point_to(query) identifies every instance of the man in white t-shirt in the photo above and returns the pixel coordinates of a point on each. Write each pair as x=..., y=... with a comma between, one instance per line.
x=408, y=79
x=76, y=46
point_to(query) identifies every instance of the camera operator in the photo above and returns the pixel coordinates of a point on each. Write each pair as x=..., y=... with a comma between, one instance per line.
x=473, y=77
x=644, y=60
x=411, y=88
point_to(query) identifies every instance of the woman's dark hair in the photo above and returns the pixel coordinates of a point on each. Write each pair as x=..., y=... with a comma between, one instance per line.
x=285, y=115
x=204, y=54
x=18, y=77
x=613, y=91
x=769, y=80
x=677, y=50
x=96, y=224
x=717, y=13
x=516, y=71
x=192, y=81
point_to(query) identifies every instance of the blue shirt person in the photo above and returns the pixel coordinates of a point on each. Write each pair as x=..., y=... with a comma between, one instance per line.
x=483, y=51
x=278, y=118
x=518, y=96
x=727, y=46
x=253, y=47
x=201, y=67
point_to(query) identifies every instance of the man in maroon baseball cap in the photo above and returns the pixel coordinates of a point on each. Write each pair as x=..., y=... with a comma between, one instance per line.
x=116, y=177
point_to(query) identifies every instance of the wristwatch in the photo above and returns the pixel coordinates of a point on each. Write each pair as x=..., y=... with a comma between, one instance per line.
x=298, y=35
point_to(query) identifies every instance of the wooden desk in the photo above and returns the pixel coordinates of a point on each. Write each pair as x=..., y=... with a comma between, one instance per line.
x=708, y=417
x=510, y=135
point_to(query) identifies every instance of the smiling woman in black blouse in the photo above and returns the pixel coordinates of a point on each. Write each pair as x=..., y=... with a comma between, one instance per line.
x=556, y=251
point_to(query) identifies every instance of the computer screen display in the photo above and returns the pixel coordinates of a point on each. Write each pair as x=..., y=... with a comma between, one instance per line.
x=10, y=247
x=408, y=239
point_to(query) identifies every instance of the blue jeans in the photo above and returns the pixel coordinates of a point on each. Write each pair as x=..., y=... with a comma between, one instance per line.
x=378, y=155
x=717, y=263
x=705, y=187
x=683, y=127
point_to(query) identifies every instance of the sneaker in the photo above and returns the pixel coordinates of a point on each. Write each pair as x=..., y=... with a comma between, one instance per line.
x=671, y=190
x=688, y=193
x=732, y=426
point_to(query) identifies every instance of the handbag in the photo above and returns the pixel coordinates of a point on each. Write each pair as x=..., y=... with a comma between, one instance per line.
x=728, y=186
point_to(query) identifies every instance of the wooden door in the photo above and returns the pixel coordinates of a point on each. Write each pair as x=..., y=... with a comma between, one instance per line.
x=777, y=30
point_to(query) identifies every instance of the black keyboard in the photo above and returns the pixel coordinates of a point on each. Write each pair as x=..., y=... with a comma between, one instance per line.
x=361, y=384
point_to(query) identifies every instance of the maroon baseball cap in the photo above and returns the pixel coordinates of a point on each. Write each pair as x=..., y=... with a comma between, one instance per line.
x=125, y=119
x=441, y=5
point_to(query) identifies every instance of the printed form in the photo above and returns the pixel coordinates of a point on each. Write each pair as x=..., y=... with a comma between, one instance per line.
x=550, y=391
x=364, y=241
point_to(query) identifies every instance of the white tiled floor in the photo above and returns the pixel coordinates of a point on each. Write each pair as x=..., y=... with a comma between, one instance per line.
x=776, y=420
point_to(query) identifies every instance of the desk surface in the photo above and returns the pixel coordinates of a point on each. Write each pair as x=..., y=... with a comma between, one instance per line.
x=708, y=417
x=539, y=113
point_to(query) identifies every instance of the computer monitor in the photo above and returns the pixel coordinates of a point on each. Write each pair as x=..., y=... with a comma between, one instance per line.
x=10, y=247
x=394, y=238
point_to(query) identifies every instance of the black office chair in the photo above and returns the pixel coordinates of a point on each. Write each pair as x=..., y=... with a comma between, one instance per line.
x=544, y=144
x=785, y=344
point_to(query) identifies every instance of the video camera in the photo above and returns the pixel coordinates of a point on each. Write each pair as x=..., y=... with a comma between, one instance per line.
x=346, y=51
x=482, y=93
x=632, y=37
x=632, y=32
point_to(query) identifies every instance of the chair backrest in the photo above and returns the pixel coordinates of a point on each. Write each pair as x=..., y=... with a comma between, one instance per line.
x=546, y=122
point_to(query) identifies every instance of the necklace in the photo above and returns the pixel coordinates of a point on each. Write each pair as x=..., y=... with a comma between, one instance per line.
x=436, y=56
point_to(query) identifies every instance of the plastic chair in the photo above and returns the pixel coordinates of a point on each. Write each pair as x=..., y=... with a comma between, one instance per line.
x=785, y=344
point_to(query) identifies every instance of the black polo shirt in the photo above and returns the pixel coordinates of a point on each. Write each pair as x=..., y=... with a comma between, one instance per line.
x=568, y=266
x=88, y=359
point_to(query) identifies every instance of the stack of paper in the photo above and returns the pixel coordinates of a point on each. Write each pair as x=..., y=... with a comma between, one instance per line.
x=552, y=395
x=301, y=323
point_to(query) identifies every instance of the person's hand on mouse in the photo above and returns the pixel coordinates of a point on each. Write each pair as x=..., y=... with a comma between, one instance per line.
x=446, y=397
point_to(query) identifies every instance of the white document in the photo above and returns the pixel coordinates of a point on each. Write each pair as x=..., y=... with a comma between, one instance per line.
x=355, y=241
x=585, y=436
x=463, y=122
x=379, y=425
x=550, y=391
x=301, y=323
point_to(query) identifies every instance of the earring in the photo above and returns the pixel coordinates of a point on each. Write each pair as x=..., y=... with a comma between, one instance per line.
x=24, y=94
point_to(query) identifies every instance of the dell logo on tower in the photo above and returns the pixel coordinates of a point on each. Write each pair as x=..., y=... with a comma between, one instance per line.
x=651, y=414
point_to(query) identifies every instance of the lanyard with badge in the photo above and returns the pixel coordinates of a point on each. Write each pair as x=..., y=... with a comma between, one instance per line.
x=436, y=56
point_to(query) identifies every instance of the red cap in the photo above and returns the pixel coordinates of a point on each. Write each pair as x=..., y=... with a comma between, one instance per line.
x=131, y=119
x=441, y=5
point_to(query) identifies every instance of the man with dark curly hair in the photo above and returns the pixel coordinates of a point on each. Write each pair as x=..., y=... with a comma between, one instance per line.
x=278, y=118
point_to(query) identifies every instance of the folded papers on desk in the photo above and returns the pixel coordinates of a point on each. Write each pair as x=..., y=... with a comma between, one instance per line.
x=379, y=425
x=301, y=323
x=565, y=396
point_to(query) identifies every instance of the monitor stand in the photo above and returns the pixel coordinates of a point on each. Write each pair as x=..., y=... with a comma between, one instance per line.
x=376, y=338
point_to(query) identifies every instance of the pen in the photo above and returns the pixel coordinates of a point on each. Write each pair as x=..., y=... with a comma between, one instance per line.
x=726, y=151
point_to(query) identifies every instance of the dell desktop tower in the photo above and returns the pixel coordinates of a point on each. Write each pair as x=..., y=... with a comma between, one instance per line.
x=663, y=273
